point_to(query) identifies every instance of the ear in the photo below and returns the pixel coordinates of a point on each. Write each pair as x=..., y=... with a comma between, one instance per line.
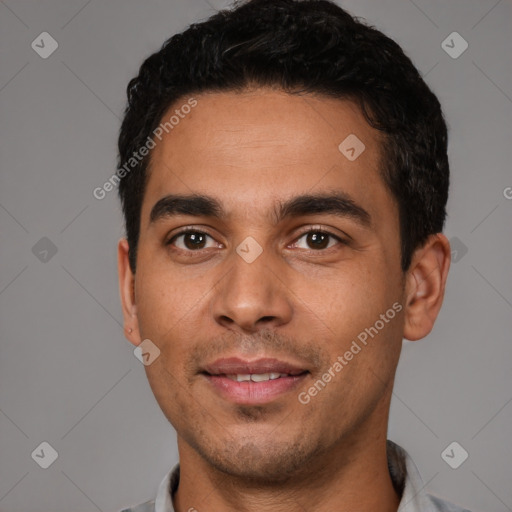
x=127, y=291
x=425, y=285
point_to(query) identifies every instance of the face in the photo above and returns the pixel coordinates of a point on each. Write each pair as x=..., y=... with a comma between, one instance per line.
x=292, y=253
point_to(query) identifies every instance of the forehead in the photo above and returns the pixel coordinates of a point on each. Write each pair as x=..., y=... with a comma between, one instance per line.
x=249, y=149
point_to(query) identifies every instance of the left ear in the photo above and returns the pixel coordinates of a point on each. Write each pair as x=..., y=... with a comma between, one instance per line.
x=425, y=285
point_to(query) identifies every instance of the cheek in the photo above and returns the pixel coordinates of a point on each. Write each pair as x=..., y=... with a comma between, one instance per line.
x=163, y=301
x=346, y=298
x=351, y=307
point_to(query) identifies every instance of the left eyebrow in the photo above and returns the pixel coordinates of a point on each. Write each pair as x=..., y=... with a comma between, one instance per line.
x=198, y=205
x=338, y=203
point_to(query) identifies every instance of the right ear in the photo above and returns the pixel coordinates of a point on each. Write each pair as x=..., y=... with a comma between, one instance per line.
x=127, y=292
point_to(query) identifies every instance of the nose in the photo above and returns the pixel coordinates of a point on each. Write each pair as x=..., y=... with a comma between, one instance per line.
x=251, y=297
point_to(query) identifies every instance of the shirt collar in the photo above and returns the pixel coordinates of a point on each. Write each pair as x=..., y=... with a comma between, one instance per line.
x=407, y=481
x=166, y=489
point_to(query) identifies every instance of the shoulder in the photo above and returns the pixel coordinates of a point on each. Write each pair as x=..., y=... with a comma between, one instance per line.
x=445, y=506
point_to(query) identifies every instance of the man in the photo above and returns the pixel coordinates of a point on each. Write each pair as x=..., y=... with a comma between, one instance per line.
x=284, y=177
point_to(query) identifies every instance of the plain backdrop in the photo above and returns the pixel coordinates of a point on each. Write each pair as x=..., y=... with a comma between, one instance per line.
x=67, y=375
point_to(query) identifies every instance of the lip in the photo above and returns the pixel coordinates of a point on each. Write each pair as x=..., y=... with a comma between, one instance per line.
x=249, y=392
x=230, y=365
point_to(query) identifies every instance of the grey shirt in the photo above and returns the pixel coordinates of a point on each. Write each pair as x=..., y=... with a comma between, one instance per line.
x=404, y=474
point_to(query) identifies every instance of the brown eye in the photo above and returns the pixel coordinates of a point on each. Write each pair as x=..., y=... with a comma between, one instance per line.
x=317, y=240
x=194, y=240
x=191, y=240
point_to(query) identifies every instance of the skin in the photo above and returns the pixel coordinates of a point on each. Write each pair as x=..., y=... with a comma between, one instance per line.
x=295, y=302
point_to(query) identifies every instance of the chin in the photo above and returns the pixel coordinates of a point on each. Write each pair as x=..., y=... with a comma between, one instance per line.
x=260, y=463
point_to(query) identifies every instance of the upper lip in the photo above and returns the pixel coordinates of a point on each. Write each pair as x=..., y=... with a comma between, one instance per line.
x=236, y=365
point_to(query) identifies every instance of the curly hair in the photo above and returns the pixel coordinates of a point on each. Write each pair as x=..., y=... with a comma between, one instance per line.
x=300, y=46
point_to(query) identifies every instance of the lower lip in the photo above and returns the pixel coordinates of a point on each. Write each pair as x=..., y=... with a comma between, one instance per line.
x=253, y=393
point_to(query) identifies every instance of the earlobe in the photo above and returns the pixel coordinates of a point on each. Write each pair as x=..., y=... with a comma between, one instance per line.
x=425, y=286
x=127, y=293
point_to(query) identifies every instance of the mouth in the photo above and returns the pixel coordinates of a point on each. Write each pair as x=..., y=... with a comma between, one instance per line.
x=253, y=382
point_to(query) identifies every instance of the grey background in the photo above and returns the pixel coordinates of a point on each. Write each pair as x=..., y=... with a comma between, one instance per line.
x=68, y=376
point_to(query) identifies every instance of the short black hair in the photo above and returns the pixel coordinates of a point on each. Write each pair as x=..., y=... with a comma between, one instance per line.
x=300, y=46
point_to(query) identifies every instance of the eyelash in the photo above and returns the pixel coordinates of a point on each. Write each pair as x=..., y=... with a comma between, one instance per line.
x=323, y=231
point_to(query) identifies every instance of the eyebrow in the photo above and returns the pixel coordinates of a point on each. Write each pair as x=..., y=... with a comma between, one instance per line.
x=338, y=203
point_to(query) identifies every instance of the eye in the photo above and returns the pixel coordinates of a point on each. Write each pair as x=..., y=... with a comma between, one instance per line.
x=317, y=239
x=192, y=240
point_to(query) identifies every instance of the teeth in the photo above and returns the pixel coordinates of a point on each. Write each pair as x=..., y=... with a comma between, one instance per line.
x=255, y=377
x=260, y=377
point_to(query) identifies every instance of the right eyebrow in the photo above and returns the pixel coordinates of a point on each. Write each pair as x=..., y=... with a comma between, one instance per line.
x=196, y=205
